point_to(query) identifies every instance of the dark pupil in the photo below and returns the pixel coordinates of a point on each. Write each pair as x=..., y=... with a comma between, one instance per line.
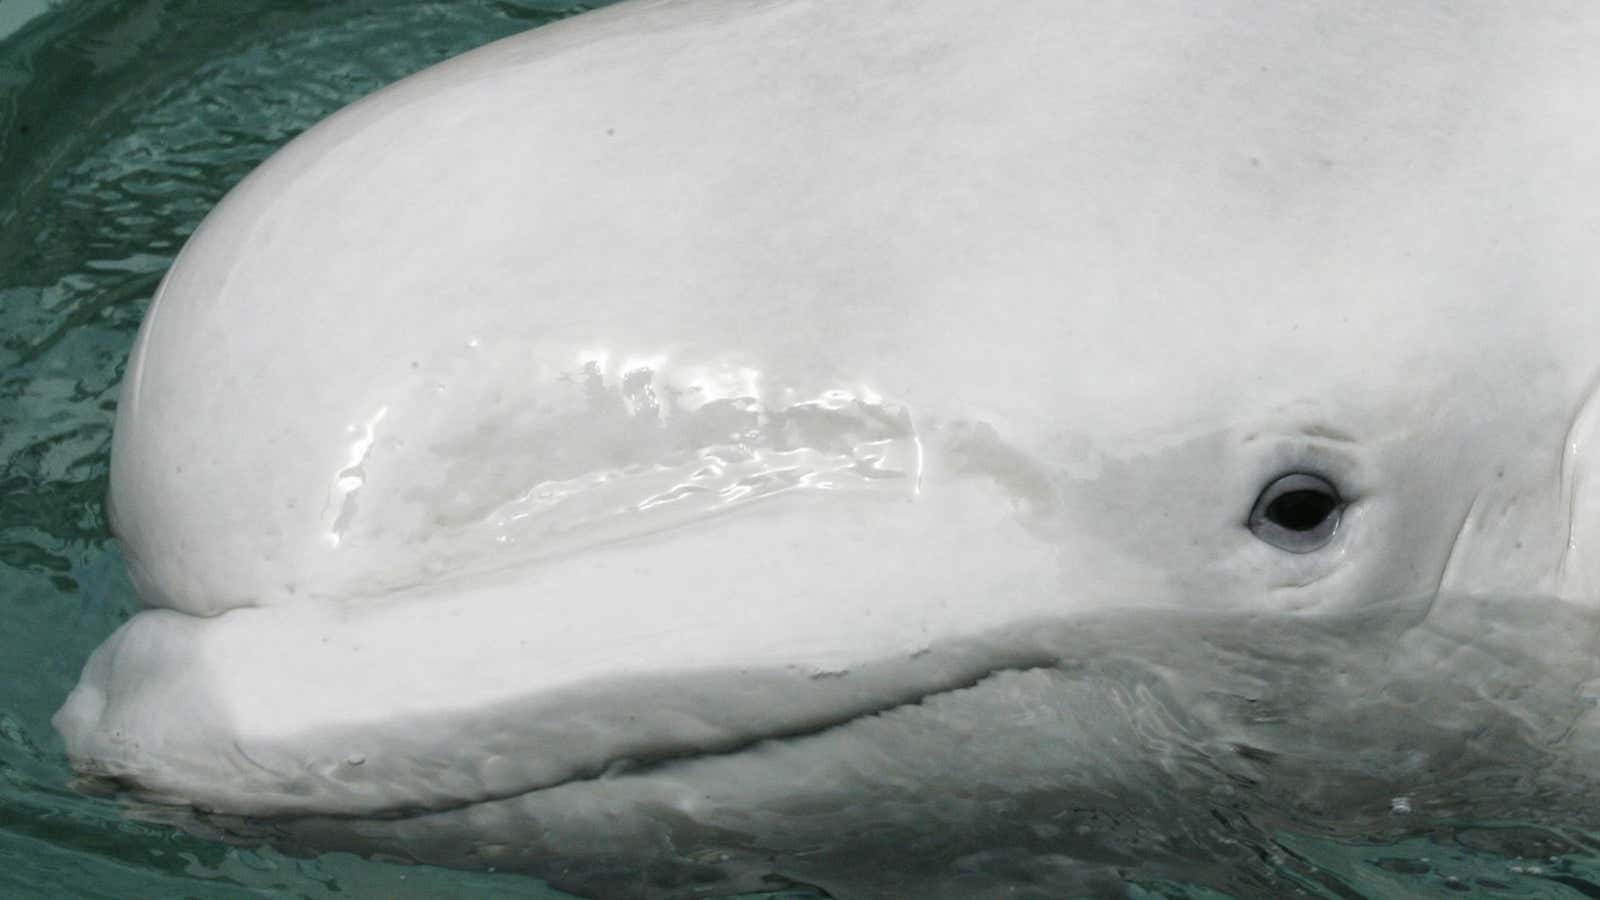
x=1300, y=510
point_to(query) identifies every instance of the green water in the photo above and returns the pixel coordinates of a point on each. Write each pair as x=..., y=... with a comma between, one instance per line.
x=121, y=123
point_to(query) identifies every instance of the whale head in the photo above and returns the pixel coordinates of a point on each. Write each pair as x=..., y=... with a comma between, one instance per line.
x=692, y=379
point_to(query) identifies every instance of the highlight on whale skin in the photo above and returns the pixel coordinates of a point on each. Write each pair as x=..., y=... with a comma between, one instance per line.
x=708, y=445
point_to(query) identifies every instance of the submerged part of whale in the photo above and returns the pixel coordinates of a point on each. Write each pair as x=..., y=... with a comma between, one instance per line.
x=697, y=382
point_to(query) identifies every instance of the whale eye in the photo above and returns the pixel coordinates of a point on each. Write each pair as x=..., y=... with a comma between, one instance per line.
x=1297, y=512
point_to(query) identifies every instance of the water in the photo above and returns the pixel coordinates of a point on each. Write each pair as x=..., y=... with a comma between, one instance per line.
x=121, y=123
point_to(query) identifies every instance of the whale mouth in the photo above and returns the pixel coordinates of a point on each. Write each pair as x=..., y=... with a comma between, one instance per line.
x=125, y=779
x=822, y=607
x=274, y=712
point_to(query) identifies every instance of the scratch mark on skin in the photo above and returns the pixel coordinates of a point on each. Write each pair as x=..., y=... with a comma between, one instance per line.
x=243, y=754
x=1583, y=425
x=1450, y=557
x=1328, y=433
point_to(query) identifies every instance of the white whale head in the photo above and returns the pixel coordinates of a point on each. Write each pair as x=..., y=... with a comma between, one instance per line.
x=692, y=374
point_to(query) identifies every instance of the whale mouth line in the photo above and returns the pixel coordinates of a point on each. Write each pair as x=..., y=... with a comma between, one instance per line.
x=627, y=766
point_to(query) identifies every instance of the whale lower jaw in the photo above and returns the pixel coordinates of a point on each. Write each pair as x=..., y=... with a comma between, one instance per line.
x=436, y=703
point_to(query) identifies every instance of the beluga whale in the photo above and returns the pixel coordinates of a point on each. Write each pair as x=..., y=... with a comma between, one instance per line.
x=885, y=446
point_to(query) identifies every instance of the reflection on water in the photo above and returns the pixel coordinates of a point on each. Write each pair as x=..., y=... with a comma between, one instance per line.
x=1171, y=757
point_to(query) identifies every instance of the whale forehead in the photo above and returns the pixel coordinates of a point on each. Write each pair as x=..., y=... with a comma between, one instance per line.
x=1031, y=220
x=1148, y=182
